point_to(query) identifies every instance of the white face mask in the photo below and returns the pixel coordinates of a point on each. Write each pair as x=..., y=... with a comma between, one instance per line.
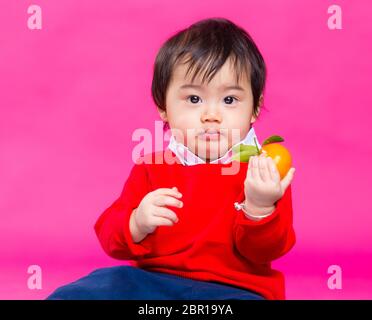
x=188, y=158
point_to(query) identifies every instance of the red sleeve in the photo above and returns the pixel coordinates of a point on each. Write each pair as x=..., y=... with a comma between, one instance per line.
x=269, y=238
x=112, y=227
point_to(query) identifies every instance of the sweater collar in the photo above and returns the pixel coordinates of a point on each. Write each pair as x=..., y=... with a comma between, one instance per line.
x=188, y=158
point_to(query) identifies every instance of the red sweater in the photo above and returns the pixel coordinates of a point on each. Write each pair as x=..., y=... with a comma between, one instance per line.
x=212, y=240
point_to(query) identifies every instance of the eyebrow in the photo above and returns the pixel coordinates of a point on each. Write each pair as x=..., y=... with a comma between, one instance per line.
x=223, y=87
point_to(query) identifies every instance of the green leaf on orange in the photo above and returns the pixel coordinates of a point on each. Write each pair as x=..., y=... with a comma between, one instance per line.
x=272, y=139
x=245, y=148
x=244, y=156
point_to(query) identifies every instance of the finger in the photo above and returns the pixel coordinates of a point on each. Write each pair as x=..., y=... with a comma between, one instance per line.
x=250, y=167
x=255, y=173
x=273, y=170
x=287, y=179
x=267, y=168
x=163, y=200
x=262, y=165
x=160, y=221
x=168, y=191
x=166, y=213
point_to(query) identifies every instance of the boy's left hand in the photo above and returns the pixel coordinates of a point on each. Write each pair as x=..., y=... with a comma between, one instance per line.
x=262, y=186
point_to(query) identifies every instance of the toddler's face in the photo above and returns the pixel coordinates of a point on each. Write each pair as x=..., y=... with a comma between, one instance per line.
x=193, y=110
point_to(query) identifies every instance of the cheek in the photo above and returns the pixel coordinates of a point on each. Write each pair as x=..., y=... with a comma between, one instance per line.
x=184, y=118
x=237, y=126
x=184, y=130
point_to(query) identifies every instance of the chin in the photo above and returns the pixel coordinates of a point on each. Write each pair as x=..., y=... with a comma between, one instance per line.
x=206, y=154
x=211, y=150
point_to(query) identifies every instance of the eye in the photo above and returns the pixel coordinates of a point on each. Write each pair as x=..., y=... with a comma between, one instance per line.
x=194, y=99
x=230, y=99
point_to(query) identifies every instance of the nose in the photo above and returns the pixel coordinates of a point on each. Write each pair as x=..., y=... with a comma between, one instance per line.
x=211, y=114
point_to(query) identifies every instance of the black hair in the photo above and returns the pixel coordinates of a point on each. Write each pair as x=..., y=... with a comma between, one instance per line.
x=206, y=45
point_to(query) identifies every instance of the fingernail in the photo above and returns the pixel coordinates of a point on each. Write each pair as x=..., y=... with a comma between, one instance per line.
x=181, y=205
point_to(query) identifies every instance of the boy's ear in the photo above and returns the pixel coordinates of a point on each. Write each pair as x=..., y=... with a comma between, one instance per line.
x=260, y=103
x=163, y=115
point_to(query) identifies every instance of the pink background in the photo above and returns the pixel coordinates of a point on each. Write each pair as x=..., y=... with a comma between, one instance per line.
x=72, y=94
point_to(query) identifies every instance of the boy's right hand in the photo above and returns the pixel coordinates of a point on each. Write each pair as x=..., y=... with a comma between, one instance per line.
x=152, y=212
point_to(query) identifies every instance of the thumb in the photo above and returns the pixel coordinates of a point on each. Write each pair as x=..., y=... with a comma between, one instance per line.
x=285, y=182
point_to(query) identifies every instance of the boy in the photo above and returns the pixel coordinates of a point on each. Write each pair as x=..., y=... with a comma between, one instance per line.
x=177, y=221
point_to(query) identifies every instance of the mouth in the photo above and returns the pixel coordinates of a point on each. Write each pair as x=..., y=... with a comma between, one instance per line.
x=210, y=135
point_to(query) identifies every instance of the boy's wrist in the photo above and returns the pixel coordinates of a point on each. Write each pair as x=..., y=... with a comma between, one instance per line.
x=257, y=212
x=137, y=234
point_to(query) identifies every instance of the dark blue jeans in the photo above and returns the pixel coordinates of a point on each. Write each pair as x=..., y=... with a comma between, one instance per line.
x=133, y=283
